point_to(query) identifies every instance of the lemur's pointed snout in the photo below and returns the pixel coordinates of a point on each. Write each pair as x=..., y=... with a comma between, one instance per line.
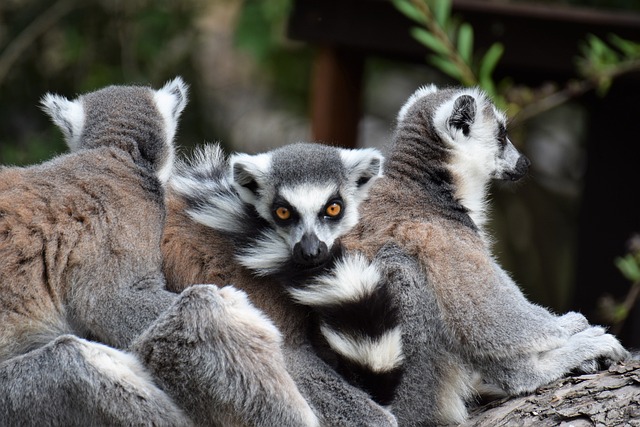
x=310, y=250
x=522, y=167
x=520, y=170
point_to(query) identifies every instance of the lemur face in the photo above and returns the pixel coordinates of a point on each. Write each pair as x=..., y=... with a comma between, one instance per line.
x=473, y=130
x=309, y=218
x=477, y=132
x=308, y=194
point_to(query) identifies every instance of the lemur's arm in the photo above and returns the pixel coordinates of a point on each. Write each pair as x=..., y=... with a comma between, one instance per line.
x=480, y=306
x=220, y=359
x=516, y=344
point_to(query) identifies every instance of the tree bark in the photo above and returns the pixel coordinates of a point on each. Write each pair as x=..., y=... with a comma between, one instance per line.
x=609, y=398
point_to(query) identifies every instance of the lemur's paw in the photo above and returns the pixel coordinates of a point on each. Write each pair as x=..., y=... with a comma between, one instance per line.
x=238, y=313
x=236, y=299
x=591, y=332
x=599, y=347
x=573, y=322
x=590, y=366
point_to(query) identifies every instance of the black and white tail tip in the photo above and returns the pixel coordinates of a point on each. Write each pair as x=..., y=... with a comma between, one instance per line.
x=359, y=323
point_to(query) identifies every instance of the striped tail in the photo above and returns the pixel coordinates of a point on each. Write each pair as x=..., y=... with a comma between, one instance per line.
x=359, y=323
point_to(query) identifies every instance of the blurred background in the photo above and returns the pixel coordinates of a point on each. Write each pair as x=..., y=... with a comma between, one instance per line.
x=267, y=73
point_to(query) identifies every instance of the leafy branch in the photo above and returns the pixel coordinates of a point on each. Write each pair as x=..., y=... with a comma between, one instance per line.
x=451, y=44
x=616, y=312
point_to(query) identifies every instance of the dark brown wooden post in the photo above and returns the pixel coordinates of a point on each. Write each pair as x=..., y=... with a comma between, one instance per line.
x=336, y=96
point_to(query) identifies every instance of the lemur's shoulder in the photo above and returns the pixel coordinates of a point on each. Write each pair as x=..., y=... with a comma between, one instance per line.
x=194, y=253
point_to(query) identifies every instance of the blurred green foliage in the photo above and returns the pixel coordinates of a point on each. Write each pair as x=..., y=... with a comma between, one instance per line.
x=285, y=65
x=73, y=46
x=616, y=311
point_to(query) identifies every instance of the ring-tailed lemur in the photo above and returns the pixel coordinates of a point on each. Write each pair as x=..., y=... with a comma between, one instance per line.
x=267, y=223
x=90, y=335
x=421, y=240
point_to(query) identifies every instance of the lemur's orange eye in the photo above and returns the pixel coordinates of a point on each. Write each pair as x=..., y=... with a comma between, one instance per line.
x=283, y=213
x=333, y=210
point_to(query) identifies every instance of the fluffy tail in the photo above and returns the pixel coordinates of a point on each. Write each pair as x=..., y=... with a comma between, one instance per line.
x=359, y=323
x=204, y=182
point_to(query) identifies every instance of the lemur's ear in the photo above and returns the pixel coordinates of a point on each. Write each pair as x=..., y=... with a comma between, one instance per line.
x=463, y=113
x=67, y=115
x=248, y=173
x=172, y=97
x=363, y=166
x=170, y=101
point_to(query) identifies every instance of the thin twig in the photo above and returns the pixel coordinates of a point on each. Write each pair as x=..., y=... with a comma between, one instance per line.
x=628, y=303
x=572, y=90
x=550, y=101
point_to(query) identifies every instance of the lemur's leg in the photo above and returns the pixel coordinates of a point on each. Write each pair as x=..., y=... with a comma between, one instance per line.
x=220, y=359
x=74, y=382
x=527, y=372
x=116, y=314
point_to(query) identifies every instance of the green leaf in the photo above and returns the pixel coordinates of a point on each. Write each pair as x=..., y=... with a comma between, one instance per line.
x=596, y=44
x=620, y=313
x=488, y=86
x=489, y=61
x=465, y=42
x=442, y=11
x=409, y=10
x=446, y=66
x=604, y=84
x=429, y=40
x=627, y=47
x=629, y=268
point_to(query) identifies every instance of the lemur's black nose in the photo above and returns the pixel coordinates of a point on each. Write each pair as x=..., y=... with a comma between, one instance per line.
x=310, y=250
x=521, y=169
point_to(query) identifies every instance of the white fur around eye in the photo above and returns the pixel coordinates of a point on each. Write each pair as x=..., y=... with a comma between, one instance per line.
x=309, y=201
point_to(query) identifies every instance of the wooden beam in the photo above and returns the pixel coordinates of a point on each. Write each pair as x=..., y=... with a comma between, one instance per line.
x=539, y=39
x=336, y=88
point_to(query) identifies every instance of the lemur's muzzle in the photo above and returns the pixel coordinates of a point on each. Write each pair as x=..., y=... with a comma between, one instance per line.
x=521, y=169
x=310, y=251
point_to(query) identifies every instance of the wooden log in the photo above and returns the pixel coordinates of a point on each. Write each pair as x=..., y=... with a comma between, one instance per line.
x=609, y=398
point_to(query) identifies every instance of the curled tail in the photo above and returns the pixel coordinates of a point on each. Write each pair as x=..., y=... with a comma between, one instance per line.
x=359, y=323
x=203, y=181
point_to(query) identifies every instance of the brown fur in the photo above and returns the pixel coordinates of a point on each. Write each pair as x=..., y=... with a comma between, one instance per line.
x=61, y=223
x=194, y=253
x=453, y=269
